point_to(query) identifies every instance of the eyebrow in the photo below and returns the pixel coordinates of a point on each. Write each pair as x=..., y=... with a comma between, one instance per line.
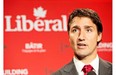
x=89, y=27
x=75, y=26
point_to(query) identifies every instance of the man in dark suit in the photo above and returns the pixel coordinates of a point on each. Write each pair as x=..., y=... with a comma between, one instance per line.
x=85, y=33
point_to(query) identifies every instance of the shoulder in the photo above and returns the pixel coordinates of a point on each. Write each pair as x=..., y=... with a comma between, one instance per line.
x=105, y=67
x=65, y=68
x=106, y=63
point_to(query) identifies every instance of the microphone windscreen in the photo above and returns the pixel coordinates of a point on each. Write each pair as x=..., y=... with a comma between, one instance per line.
x=91, y=73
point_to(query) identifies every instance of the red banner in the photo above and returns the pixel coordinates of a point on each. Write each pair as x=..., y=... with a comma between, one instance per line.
x=35, y=34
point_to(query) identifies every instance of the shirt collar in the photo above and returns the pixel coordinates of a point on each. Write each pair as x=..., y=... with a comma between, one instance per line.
x=79, y=65
x=95, y=64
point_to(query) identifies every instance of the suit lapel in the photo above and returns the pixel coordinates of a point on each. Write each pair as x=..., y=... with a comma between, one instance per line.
x=70, y=69
x=73, y=71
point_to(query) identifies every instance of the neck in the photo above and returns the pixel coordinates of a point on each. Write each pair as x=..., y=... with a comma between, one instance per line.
x=87, y=59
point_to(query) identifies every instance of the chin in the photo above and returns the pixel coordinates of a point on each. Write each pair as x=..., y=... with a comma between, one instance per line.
x=80, y=55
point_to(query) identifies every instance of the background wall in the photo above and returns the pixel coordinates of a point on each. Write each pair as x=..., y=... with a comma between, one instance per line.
x=35, y=37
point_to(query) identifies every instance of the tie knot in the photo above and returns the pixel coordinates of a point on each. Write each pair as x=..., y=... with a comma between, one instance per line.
x=87, y=68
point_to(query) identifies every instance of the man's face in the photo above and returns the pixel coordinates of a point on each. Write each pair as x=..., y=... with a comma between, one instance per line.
x=83, y=36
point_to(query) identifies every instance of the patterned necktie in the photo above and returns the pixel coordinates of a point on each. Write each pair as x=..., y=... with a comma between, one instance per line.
x=87, y=68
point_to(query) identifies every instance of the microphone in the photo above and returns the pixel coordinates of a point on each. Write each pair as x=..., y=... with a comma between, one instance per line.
x=91, y=73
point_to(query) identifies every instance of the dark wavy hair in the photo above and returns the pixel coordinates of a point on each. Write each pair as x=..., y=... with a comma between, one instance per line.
x=85, y=12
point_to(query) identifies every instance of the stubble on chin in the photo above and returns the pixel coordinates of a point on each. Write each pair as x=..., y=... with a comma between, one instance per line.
x=79, y=56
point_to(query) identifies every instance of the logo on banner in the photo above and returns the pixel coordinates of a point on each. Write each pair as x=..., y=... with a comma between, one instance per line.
x=39, y=12
x=24, y=24
x=33, y=48
x=16, y=72
x=105, y=46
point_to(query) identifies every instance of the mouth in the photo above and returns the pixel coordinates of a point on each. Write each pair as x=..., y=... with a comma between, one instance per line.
x=81, y=45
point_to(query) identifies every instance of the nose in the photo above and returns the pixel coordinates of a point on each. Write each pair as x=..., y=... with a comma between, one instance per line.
x=81, y=36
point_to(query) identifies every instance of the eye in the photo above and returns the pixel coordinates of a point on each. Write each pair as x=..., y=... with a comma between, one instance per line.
x=74, y=30
x=89, y=30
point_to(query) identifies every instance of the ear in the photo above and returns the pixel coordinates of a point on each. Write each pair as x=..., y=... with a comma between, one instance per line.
x=99, y=37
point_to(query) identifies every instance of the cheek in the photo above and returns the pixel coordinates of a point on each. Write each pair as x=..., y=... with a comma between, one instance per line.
x=92, y=40
x=72, y=40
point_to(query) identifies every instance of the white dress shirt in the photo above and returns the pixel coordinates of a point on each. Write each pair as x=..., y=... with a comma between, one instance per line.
x=79, y=65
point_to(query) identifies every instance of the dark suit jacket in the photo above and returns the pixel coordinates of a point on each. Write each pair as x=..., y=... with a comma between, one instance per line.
x=105, y=68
